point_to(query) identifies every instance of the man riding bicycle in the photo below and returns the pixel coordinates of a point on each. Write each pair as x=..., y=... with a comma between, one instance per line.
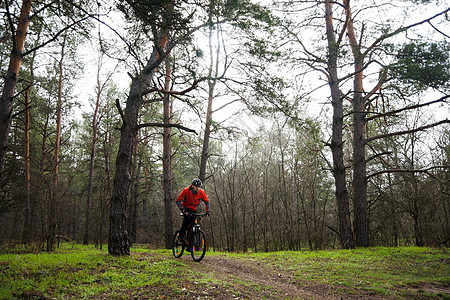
x=187, y=202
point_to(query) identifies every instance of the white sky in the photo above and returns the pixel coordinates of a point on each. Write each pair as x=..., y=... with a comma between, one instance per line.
x=86, y=85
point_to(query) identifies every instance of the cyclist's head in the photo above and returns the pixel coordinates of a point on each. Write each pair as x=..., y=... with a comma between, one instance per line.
x=197, y=182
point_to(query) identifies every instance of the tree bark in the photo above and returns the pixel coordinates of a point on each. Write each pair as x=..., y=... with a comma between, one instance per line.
x=11, y=80
x=134, y=192
x=361, y=223
x=345, y=230
x=118, y=242
x=167, y=160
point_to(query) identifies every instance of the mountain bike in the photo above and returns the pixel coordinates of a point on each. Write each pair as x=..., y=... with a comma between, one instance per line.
x=195, y=241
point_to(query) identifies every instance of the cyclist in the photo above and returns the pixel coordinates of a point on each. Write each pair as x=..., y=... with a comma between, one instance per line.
x=187, y=202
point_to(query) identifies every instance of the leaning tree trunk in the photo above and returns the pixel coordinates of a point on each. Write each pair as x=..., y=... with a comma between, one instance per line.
x=345, y=230
x=118, y=242
x=10, y=82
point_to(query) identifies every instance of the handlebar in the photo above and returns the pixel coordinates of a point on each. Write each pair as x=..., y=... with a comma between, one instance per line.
x=195, y=214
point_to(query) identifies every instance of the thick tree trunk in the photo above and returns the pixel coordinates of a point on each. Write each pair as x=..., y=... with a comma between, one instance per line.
x=11, y=81
x=167, y=161
x=118, y=242
x=359, y=158
x=345, y=230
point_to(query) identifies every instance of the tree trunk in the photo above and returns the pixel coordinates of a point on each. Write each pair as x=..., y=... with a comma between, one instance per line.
x=118, y=243
x=345, y=230
x=53, y=199
x=27, y=222
x=11, y=81
x=359, y=159
x=211, y=86
x=132, y=214
x=167, y=161
x=94, y=127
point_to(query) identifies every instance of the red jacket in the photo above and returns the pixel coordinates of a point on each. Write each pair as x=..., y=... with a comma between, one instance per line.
x=189, y=200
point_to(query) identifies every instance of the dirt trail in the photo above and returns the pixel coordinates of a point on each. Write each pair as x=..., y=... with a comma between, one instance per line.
x=251, y=280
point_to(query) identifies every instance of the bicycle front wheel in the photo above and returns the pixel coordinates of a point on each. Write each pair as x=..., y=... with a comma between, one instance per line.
x=198, y=245
x=177, y=246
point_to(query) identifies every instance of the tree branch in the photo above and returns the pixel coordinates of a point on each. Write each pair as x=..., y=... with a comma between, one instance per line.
x=434, y=27
x=121, y=112
x=377, y=87
x=174, y=93
x=442, y=99
x=426, y=171
x=401, y=29
x=378, y=155
x=166, y=125
x=226, y=104
x=55, y=36
x=382, y=136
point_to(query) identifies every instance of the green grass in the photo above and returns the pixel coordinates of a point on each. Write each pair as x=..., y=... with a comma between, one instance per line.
x=382, y=270
x=84, y=272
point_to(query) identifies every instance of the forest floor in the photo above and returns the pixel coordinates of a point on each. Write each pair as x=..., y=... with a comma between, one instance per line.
x=84, y=272
x=250, y=280
x=236, y=278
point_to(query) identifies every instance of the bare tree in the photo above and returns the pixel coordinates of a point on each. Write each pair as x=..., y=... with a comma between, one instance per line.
x=345, y=229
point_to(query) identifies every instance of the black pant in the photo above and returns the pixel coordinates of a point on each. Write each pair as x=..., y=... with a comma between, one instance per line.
x=187, y=221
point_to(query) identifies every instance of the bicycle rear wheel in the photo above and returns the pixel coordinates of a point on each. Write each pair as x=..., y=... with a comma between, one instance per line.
x=177, y=246
x=198, y=244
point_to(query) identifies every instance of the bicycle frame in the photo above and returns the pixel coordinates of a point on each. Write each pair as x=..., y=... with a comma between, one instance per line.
x=195, y=240
x=195, y=226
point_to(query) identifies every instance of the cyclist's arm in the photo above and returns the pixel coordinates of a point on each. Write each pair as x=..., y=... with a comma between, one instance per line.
x=206, y=200
x=180, y=200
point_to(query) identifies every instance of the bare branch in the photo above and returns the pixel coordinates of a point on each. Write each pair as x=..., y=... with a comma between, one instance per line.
x=378, y=155
x=422, y=128
x=174, y=93
x=226, y=104
x=426, y=171
x=442, y=99
x=121, y=112
x=434, y=27
x=167, y=126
